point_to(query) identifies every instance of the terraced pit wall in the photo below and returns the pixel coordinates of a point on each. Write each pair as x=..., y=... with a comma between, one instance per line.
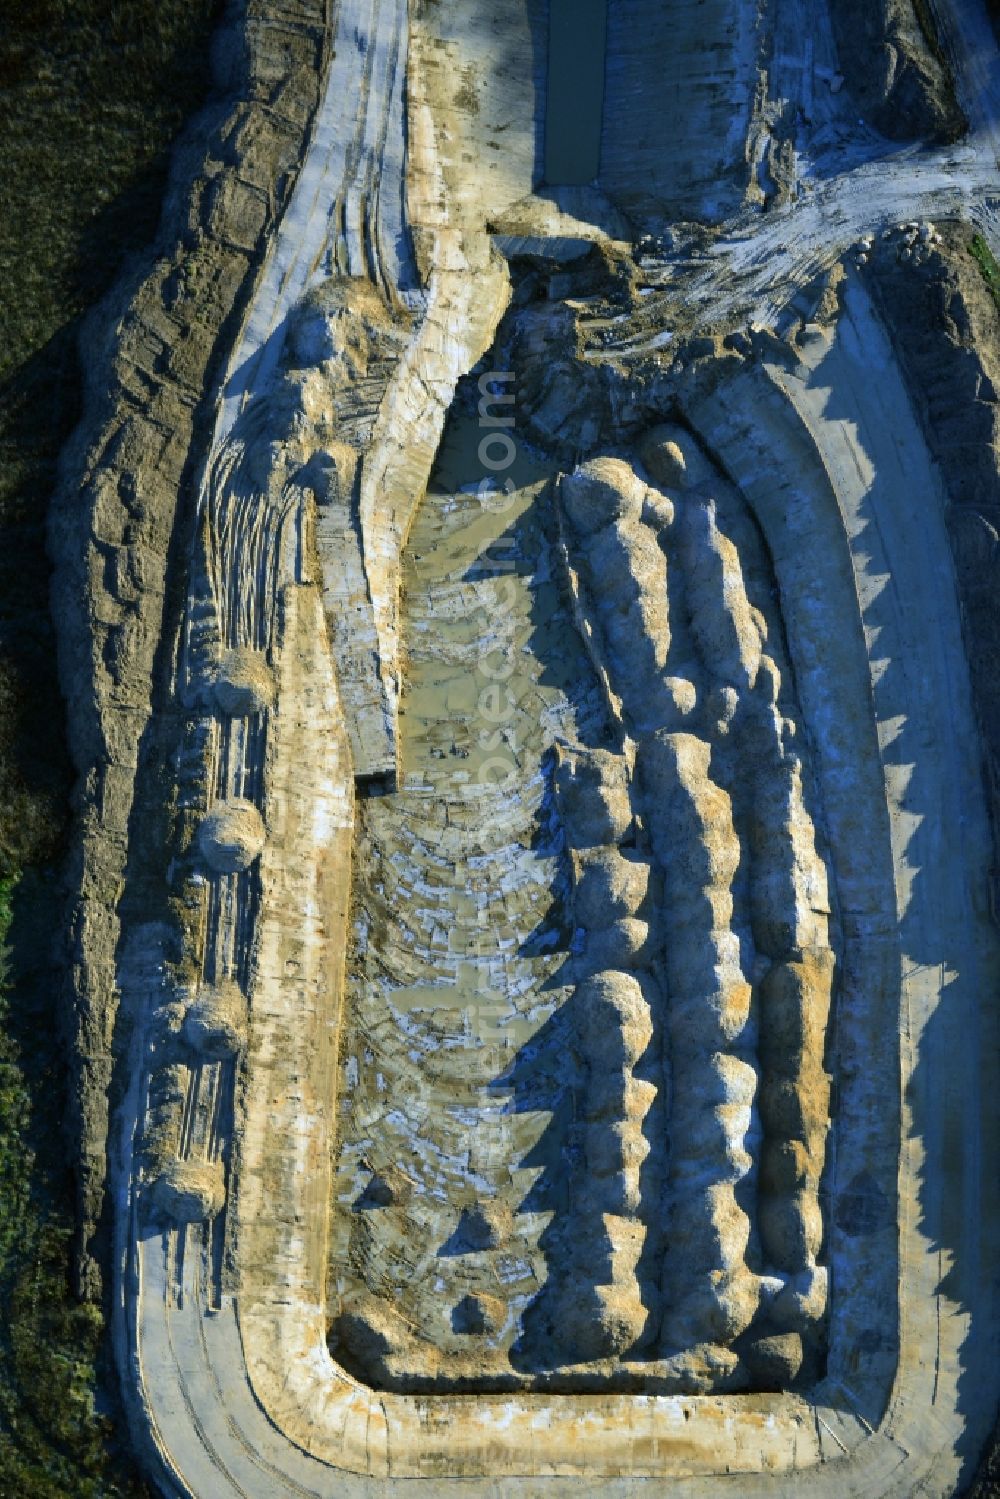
x=152, y=352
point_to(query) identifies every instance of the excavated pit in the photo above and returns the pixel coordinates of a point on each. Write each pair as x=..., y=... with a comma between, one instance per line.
x=593, y=956
x=459, y=928
x=557, y=1040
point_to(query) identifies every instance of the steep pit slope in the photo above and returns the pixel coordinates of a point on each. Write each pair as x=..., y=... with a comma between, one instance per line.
x=945, y=324
x=153, y=357
x=896, y=69
x=684, y=155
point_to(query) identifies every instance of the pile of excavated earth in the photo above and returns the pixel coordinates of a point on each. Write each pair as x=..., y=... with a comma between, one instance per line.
x=534, y=674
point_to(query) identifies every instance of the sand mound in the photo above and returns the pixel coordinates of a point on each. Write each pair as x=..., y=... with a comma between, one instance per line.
x=601, y=491
x=216, y=1023
x=245, y=684
x=673, y=458
x=231, y=836
x=189, y=1191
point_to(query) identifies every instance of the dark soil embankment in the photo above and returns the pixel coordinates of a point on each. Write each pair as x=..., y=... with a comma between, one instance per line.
x=91, y=95
x=896, y=69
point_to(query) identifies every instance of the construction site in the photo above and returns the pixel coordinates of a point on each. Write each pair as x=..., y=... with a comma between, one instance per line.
x=525, y=581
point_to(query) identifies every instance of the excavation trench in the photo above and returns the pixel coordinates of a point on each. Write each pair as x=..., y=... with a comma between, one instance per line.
x=459, y=936
x=582, y=929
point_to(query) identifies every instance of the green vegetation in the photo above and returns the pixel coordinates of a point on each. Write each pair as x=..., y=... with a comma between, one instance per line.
x=52, y=1441
x=91, y=94
x=986, y=260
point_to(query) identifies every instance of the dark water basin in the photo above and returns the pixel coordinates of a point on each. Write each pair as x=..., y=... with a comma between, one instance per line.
x=575, y=93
